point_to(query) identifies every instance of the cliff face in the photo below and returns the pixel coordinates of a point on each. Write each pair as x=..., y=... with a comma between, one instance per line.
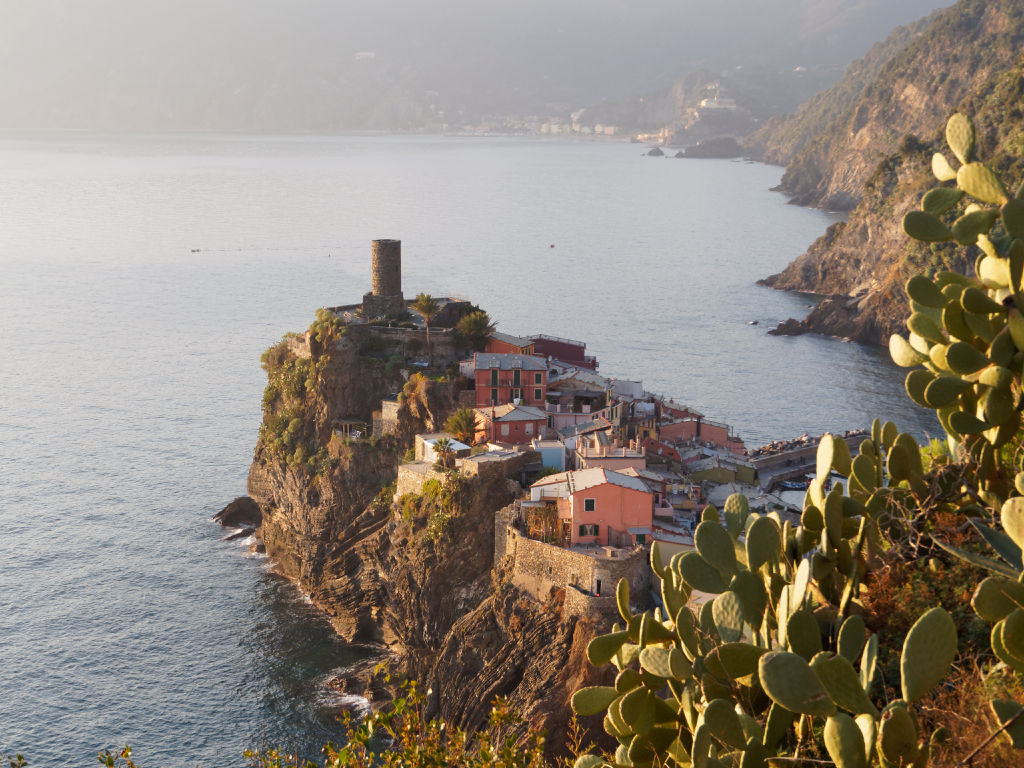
x=781, y=137
x=863, y=263
x=418, y=578
x=911, y=93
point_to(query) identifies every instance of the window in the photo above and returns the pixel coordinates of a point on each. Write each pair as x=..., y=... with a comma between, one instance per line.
x=516, y=394
x=517, y=375
x=494, y=377
x=588, y=530
x=641, y=539
x=504, y=429
x=494, y=397
x=538, y=394
x=529, y=427
x=538, y=378
x=588, y=505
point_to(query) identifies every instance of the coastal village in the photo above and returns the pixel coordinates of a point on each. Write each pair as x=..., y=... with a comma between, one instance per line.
x=605, y=467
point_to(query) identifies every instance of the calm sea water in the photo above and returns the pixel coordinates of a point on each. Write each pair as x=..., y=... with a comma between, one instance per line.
x=130, y=383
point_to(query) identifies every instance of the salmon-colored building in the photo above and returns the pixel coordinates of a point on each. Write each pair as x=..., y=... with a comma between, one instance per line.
x=516, y=424
x=599, y=506
x=510, y=378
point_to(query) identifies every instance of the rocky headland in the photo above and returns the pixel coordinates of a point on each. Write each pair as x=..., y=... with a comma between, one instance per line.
x=865, y=146
x=417, y=581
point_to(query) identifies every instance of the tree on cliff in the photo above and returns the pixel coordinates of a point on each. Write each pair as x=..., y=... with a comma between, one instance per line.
x=427, y=306
x=475, y=329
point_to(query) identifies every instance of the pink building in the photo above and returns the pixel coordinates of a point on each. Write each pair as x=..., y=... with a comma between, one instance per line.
x=599, y=506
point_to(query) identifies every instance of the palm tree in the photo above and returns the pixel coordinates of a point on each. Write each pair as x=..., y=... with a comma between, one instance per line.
x=475, y=329
x=462, y=424
x=444, y=452
x=427, y=306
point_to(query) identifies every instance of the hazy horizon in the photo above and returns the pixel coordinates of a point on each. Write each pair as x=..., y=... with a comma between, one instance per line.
x=307, y=64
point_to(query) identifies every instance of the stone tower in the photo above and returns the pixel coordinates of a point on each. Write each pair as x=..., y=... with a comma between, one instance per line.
x=386, y=297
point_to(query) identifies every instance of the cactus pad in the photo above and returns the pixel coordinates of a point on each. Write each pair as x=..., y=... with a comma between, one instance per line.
x=926, y=227
x=842, y=683
x=928, y=650
x=852, y=636
x=602, y=648
x=1012, y=518
x=897, y=736
x=960, y=136
x=764, y=542
x=790, y=682
x=594, y=699
x=978, y=181
x=844, y=742
x=723, y=723
x=715, y=546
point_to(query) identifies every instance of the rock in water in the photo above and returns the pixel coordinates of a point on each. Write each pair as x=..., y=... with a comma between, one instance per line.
x=241, y=511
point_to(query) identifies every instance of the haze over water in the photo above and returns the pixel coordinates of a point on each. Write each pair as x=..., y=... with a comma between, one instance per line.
x=131, y=381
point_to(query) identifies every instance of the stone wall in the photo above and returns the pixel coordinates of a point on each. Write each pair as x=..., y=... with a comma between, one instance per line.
x=389, y=417
x=492, y=465
x=537, y=568
x=412, y=476
x=299, y=345
x=407, y=342
x=503, y=519
x=578, y=603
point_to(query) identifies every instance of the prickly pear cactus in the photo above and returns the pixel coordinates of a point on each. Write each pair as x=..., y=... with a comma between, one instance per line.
x=745, y=677
x=966, y=334
x=777, y=655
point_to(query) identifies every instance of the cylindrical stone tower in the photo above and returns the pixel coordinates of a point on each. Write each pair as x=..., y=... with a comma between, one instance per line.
x=385, y=300
x=387, y=267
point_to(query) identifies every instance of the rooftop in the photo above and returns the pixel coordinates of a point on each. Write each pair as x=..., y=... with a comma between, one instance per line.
x=483, y=361
x=585, y=427
x=582, y=479
x=508, y=338
x=511, y=412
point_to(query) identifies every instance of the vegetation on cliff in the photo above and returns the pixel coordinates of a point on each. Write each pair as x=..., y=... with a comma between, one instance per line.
x=863, y=262
x=781, y=137
x=952, y=55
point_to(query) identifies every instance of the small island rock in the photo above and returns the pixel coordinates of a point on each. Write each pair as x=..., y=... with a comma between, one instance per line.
x=243, y=511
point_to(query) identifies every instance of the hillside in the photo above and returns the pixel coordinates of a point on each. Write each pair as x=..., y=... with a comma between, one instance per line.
x=962, y=48
x=863, y=263
x=783, y=136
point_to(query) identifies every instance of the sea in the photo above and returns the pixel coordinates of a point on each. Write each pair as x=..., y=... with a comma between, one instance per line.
x=142, y=276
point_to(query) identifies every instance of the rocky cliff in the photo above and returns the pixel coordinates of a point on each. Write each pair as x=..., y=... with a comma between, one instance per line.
x=875, y=157
x=418, y=578
x=933, y=67
x=863, y=263
x=783, y=136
